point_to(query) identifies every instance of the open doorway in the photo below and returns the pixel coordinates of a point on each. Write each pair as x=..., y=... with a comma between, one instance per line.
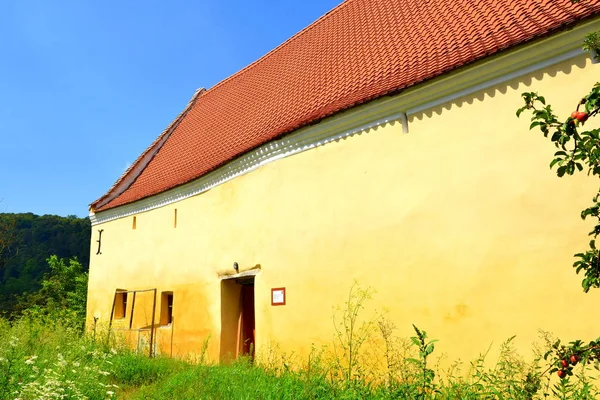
x=238, y=329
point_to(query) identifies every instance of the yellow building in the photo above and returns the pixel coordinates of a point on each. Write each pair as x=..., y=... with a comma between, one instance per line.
x=380, y=144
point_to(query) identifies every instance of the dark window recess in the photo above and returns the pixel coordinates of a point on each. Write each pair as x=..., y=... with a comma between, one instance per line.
x=120, y=305
x=166, y=308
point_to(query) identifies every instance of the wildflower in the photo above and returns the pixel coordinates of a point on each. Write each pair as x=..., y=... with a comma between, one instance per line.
x=61, y=360
x=110, y=392
x=30, y=360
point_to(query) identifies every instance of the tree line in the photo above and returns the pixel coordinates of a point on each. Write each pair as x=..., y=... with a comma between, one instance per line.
x=27, y=242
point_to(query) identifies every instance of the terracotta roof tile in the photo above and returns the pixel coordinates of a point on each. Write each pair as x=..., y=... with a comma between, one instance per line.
x=361, y=50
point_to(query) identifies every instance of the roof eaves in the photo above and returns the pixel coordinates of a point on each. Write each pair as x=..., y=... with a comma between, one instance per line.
x=136, y=168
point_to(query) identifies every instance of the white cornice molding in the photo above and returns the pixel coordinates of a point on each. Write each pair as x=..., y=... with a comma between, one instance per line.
x=390, y=109
x=301, y=140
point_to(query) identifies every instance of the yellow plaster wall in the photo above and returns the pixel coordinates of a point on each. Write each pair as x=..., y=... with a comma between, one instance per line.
x=459, y=226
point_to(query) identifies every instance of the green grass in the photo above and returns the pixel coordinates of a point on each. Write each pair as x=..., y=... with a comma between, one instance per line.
x=48, y=360
x=242, y=380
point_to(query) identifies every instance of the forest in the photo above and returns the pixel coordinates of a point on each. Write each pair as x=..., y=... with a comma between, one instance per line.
x=26, y=243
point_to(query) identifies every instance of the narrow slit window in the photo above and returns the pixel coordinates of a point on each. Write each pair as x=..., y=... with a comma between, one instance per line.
x=175, y=219
x=166, y=308
x=134, y=226
x=120, y=304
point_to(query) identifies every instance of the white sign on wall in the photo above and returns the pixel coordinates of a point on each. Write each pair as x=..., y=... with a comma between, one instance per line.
x=278, y=296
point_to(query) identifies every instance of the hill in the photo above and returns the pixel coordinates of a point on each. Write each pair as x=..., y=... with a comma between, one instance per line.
x=26, y=241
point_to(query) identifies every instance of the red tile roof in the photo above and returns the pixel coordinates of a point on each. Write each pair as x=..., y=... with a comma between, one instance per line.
x=361, y=50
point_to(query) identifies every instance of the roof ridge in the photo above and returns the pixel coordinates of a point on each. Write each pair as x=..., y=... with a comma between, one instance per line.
x=282, y=45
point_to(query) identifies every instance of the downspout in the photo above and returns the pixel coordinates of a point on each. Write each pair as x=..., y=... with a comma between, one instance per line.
x=404, y=121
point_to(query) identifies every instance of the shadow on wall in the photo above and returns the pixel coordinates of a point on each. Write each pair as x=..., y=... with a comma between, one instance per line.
x=230, y=311
x=565, y=67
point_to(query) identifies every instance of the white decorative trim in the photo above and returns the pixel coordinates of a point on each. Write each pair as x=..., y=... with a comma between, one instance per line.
x=493, y=82
x=301, y=140
x=481, y=75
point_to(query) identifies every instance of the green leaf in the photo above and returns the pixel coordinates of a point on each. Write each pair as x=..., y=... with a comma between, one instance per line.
x=534, y=124
x=429, y=349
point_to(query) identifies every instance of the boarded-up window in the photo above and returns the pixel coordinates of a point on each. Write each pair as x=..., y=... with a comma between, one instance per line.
x=166, y=308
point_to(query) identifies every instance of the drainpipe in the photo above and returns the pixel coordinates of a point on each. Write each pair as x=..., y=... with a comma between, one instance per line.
x=404, y=121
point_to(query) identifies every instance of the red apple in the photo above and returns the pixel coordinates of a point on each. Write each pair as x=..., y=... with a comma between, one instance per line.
x=582, y=116
x=574, y=114
x=574, y=359
x=561, y=373
x=564, y=363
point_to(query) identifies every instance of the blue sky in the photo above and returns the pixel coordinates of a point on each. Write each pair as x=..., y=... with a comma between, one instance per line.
x=86, y=86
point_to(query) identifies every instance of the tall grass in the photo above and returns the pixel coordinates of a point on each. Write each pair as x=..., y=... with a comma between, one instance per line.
x=41, y=360
x=45, y=359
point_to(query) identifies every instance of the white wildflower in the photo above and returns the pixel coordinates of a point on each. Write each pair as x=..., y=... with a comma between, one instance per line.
x=30, y=360
x=110, y=392
x=61, y=360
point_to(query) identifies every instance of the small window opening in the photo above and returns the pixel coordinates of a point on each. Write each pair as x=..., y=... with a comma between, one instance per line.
x=134, y=223
x=120, y=304
x=166, y=308
x=175, y=220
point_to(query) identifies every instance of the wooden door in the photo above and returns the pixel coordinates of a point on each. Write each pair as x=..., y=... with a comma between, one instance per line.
x=247, y=331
